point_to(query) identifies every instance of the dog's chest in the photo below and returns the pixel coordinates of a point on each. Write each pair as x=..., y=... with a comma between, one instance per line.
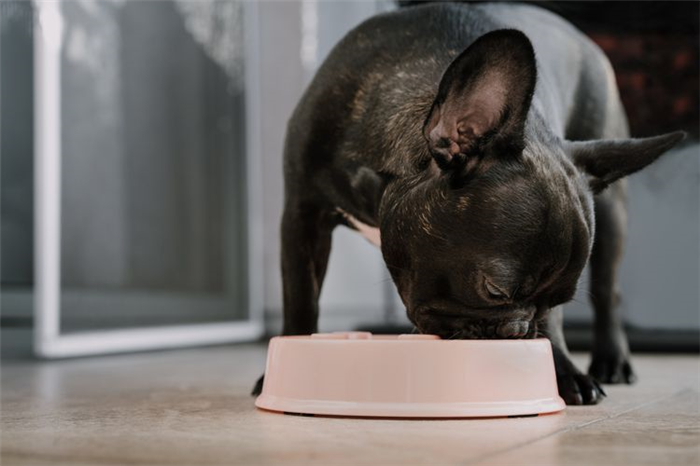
x=370, y=233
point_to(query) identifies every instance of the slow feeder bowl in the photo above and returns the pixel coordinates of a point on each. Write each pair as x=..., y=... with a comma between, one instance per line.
x=422, y=376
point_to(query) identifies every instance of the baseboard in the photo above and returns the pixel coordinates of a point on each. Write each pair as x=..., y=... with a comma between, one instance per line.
x=579, y=337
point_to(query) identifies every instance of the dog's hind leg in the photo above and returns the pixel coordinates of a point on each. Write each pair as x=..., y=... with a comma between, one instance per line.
x=599, y=100
x=611, y=355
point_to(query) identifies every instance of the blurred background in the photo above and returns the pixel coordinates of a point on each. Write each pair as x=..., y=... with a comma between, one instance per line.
x=169, y=118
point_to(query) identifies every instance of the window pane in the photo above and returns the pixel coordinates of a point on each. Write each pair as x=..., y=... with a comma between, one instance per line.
x=153, y=152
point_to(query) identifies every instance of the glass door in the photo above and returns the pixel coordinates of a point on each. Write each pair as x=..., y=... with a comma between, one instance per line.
x=146, y=175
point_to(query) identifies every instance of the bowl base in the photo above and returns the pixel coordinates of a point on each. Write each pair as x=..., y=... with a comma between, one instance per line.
x=409, y=410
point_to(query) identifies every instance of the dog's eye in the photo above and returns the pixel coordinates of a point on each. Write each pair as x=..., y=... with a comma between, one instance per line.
x=493, y=291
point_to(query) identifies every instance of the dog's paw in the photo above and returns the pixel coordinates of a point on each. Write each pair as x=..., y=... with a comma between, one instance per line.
x=612, y=367
x=577, y=388
x=257, y=389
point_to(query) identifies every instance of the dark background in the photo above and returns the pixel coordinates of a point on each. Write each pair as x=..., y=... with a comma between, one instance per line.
x=654, y=48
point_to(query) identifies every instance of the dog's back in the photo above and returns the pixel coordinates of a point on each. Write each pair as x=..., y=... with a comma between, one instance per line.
x=378, y=83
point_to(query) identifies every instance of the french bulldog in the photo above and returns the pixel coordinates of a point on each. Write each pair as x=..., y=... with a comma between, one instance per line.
x=484, y=147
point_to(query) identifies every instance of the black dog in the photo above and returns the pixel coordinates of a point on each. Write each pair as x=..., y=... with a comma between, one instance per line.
x=451, y=129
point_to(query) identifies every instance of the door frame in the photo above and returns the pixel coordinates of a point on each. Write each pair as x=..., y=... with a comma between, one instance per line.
x=49, y=342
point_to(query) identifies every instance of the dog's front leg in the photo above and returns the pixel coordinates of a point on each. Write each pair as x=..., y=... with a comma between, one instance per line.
x=575, y=387
x=306, y=244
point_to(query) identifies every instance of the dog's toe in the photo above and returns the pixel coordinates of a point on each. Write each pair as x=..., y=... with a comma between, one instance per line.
x=580, y=389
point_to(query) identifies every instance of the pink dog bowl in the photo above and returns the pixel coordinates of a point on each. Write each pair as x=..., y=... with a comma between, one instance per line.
x=360, y=374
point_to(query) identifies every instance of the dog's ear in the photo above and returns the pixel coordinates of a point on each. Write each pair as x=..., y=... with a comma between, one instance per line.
x=483, y=100
x=605, y=161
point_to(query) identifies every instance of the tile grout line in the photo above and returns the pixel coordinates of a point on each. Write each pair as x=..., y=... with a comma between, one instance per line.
x=579, y=426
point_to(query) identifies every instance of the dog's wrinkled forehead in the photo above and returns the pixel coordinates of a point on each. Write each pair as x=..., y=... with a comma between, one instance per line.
x=515, y=205
x=510, y=195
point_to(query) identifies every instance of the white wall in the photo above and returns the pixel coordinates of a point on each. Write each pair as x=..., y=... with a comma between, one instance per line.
x=660, y=270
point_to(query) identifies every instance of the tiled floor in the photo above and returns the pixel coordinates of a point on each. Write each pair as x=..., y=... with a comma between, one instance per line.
x=192, y=407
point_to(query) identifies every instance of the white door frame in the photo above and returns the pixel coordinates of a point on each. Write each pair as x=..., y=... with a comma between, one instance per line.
x=48, y=340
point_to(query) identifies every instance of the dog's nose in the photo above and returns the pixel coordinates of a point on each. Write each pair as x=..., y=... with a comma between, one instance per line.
x=517, y=329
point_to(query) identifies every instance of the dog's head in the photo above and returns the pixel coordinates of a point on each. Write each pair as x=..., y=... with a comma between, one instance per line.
x=499, y=225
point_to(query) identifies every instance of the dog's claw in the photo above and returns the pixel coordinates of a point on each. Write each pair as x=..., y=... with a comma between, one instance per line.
x=600, y=388
x=257, y=389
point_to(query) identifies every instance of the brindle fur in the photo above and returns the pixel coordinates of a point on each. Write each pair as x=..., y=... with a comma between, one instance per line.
x=485, y=246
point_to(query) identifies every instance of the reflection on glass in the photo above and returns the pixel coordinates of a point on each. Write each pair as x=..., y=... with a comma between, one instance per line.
x=153, y=153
